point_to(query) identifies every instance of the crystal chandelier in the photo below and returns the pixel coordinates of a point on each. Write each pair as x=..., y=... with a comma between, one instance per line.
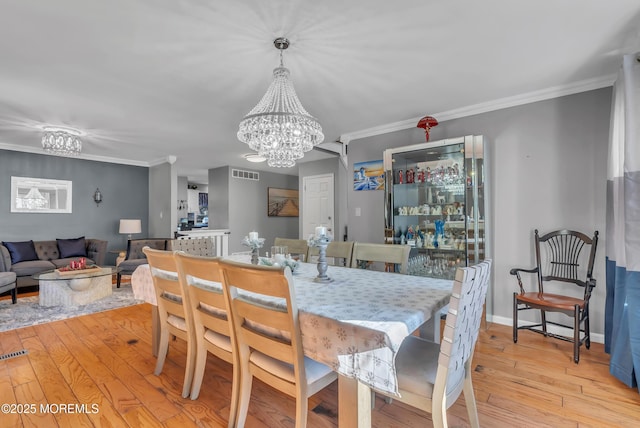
x=61, y=141
x=279, y=128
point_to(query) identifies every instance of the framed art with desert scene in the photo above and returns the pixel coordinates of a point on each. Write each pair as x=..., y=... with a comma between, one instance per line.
x=282, y=202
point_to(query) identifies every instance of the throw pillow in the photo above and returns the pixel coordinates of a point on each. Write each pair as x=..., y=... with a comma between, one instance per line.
x=21, y=251
x=72, y=247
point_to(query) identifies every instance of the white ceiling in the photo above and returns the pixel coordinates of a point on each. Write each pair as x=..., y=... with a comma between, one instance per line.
x=147, y=79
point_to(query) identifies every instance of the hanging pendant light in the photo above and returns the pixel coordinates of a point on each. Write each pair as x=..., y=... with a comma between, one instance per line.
x=278, y=127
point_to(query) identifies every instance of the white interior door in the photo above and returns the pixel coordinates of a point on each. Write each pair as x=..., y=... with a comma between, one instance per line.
x=317, y=204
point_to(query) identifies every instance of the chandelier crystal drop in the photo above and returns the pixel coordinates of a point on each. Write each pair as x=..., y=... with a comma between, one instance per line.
x=278, y=127
x=61, y=141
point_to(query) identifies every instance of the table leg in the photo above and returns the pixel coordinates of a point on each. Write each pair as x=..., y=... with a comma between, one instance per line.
x=354, y=403
x=155, y=330
x=431, y=329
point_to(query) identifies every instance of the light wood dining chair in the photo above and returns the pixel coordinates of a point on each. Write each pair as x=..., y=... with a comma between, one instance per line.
x=365, y=253
x=432, y=376
x=296, y=247
x=339, y=251
x=268, y=336
x=174, y=311
x=212, y=327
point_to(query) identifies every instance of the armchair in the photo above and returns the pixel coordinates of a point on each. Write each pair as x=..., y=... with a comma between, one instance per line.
x=559, y=260
x=8, y=283
x=136, y=257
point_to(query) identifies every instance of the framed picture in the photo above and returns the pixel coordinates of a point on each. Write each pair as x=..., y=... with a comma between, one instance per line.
x=40, y=195
x=368, y=175
x=282, y=203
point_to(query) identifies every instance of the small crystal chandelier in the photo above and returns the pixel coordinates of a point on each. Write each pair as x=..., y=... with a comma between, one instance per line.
x=279, y=128
x=61, y=141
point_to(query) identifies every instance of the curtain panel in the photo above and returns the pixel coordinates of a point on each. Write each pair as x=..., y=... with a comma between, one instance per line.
x=622, y=311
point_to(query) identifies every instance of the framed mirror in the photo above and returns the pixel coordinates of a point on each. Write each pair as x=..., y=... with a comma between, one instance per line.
x=40, y=195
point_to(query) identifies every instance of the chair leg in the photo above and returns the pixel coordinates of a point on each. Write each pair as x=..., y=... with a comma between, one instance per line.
x=14, y=295
x=118, y=278
x=163, y=347
x=198, y=373
x=515, y=317
x=543, y=316
x=587, y=328
x=576, y=334
x=302, y=407
x=188, y=371
x=439, y=405
x=469, y=397
x=246, y=380
x=235, y=396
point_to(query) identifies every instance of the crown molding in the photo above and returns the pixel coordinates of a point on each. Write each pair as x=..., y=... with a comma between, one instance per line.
x=107, y=159
x=501, y=103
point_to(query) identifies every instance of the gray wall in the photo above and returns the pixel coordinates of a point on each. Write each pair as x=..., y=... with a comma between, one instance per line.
x=219, y=198
x=125, y=193
x=247, y=207
x=163, y=186
x=328, y=166
x=182, y=196
x=549, y=162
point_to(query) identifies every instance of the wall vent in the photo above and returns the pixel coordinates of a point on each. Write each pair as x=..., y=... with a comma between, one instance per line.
x=245, y=175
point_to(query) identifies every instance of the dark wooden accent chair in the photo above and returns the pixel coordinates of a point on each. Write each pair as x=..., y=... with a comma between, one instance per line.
x=562, y=257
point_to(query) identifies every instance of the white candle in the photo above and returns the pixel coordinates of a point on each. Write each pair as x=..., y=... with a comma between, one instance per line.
x=253, y=236
x=321, y=231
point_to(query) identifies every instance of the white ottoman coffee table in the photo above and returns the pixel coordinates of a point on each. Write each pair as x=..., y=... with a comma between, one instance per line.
x=74, y=289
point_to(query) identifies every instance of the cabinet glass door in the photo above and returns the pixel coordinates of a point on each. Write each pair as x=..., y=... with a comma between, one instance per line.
x=435, y=203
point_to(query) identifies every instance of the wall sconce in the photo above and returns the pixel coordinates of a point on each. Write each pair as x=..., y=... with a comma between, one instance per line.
x=97, y=197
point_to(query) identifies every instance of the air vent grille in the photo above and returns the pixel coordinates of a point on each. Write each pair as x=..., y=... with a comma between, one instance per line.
x=13, y=354
x=245, y=175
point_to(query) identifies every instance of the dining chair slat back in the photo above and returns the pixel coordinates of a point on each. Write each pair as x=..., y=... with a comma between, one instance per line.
x=173, y=311
x=296, y=247
x=201, y=275
x=265, y=321
x=339, y=251
x=432, y=376
x=364, y=253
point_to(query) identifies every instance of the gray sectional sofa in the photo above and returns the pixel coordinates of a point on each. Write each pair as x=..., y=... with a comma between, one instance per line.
x=26, y=258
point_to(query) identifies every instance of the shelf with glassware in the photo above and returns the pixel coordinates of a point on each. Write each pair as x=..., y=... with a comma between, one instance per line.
x=434, y=202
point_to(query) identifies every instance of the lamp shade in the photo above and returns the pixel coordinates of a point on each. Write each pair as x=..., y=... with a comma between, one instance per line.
x=130, y=226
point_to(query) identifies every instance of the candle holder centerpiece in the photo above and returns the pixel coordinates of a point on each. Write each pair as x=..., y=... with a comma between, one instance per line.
x=321, y=241
x=254, y=242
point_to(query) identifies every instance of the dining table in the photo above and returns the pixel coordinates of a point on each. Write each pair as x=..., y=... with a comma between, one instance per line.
x=354, y=323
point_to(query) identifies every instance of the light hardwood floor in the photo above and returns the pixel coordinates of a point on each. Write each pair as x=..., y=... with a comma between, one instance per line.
x=104, y=360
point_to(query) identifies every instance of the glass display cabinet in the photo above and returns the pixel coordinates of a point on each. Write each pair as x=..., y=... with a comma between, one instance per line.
x=435, y=202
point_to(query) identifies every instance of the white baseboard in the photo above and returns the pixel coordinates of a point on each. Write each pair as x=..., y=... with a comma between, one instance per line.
x=595, y=337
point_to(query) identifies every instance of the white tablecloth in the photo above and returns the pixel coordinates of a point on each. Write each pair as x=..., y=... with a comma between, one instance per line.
x=356, y=323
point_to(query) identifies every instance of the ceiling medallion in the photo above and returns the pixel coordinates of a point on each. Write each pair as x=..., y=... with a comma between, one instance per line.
x=278, y=127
